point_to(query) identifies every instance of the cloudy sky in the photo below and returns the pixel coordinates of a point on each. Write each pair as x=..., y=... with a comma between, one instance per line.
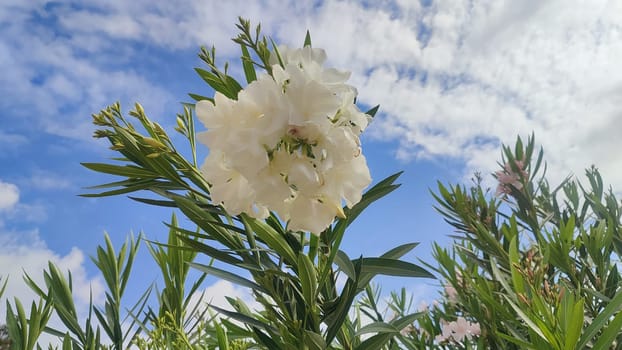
x=455, y=80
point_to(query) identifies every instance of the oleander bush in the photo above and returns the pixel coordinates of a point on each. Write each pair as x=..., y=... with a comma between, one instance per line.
x=533, y=266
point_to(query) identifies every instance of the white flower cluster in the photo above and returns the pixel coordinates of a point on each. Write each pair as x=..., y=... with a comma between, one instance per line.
x=288, y=144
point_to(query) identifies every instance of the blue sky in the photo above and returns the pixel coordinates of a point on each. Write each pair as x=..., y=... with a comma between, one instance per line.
x=454, y=81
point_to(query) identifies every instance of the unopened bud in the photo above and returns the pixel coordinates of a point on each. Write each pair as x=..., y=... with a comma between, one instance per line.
x=154, y=143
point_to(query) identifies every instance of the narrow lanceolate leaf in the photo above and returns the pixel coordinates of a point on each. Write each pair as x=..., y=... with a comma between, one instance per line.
x=226, y=275
x=221, y=336
x=156, y=202
x=212, y=80
x=210, y=251
x=609, y=334
x=335, y=318
x=389, y=267
x=599, y=323
x=377, y=327
x=266, y=340
x=273, y=239
x=372, y=112
x=400, y=251
x=120, y=170
x=314, y=341
x=375, y=342
x=200, y=97
x=3, y=288
x=393, y=267
x=247, y=64
x=308, y=279
x=345, y=264
x=307, y=40
x=528, y=321
x=250, y=321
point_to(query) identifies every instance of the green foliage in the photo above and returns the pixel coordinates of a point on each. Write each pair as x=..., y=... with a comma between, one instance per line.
x=179, y=316
x=24, y=330
x=534, y=267
x=116, y=270
x=57, y=293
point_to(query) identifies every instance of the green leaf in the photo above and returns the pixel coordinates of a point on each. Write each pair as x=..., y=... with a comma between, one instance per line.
x=375, y=342
x=307, y=40
x=345, y=264
x=386, y=331
x=159, y=203
x=226, y=275
x=200, y=97
x=372, y=112
x=609, y=334
x=548, y=337
x=221, y=336
x=308, y=279
x=125, y=170
x=334, y=318
x=266, y=340
x=210, y=251
x=3, y=288
x=247, y=64
x=393, y=267
x=400, y=251
x=571, y=320
x=601, y=320
x=314, y=341
x=250, y=321
x=273, y=239
x=216, y=83
x=517, y=278
x=377, y=327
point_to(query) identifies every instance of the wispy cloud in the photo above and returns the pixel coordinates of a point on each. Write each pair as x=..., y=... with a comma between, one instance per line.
x=11, y=141
x=47, y=180
x=9, y=196
x=55, y=79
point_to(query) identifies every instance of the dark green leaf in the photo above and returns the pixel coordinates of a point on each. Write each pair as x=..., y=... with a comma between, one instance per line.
x=228, y=276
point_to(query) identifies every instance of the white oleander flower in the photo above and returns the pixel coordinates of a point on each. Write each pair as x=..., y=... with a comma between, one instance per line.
x=288, y=144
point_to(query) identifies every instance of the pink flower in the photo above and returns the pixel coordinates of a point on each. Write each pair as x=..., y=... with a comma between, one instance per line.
x=457, y=331
x=452, y=294
x=509, y=179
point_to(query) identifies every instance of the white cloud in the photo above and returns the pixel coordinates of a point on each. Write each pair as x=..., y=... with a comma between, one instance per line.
x=27, y=212
x=9, y=196
x=11, y=141
x=507, y=69
x=51, y=83
x=454, y=79
x=47, y=180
